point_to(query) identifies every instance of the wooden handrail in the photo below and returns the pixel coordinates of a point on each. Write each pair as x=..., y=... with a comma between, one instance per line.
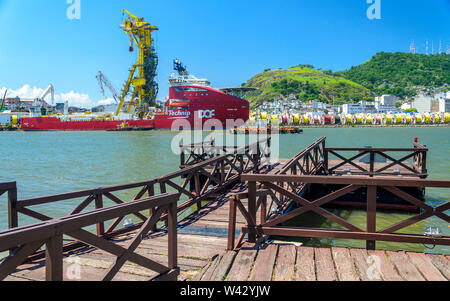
x=347, y=180
x=26, y=240
x=270, y=221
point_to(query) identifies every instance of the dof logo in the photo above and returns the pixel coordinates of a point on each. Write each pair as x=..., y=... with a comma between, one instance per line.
x=206, y=114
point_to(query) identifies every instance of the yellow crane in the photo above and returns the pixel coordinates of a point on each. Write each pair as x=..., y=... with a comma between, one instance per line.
x=143, y=87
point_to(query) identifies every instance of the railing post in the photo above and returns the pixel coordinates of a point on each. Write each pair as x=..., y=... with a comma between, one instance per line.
x=13, y=221
x=182, y=157
x=13, y=218
x=54, y=258
x=371, y=215
x=99, y=205
x=151, y=192
x=232, y=224
x=163, y=189
x=424, y=162
x=172, y=236
x=325, y=159
x=252, y=212
x=263, y=208
x=372, y=163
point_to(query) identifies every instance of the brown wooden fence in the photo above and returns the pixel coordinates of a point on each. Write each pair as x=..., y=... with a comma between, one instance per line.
x=364, y=162
x=271, y=220
x=310, y=161
x=24, y=241
x=198, y=152
x=207, y=178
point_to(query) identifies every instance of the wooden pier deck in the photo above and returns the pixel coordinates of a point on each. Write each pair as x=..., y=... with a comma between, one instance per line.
x=272, y=262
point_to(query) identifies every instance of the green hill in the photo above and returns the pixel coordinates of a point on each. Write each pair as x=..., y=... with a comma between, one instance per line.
x=401, y=74
x=305, y=83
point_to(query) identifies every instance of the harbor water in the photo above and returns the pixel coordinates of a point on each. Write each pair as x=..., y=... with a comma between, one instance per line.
x=46, y=163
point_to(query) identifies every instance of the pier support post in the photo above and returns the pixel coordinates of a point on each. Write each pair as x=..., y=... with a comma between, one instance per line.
x=232, y=224
x=252, y=212
x=371, y=215
x=99, y=205
x=54, y=258
x=172, y=230
x=13, y=219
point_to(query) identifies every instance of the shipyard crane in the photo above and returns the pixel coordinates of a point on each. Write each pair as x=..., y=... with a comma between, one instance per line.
x=144, y=88
x=3, y=101
x=50, y=90
x=103, y=81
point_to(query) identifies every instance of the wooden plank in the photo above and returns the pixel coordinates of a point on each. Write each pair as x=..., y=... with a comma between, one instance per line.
x=404, y=266
x=224, y=266
x=285, y=264
x=209, y=273
x=345, y=267
x=264, y=264
x=242, y=264
x=199, y=275
x=325, y=270
x=382, y=264
x=442, y=264
x=305, y=265
x=360, y=258
x=426, y=267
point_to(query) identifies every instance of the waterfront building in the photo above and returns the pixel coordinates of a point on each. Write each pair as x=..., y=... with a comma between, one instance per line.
x=387, y=100
x=358, y=108
x=444, y=105
x=425, y=104
x=384, y=108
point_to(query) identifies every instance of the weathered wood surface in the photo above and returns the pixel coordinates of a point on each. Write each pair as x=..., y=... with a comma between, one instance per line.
x=273, y=262
x=89, y=264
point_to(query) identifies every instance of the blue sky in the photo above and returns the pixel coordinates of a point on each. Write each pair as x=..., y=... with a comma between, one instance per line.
x=227, y=41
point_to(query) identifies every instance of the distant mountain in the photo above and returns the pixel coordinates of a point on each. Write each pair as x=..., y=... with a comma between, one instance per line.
x=305, y=83
x=401, y=74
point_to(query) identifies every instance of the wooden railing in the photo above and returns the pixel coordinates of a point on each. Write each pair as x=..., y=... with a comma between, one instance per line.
x=28, y=239
x=194, y=183
x=310, y=161
x=395, y=167
x=11, y=189
x=271, y=220
x=198, y=152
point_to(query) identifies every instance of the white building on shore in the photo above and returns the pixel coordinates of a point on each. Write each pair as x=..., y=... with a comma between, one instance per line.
x=425, y=104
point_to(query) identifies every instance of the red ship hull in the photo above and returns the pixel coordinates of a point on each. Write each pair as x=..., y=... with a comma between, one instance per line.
x=193, y=107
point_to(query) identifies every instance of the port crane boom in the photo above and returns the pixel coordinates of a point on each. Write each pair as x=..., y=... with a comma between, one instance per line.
x=50, y=90
x=3, y=101
x=103, y=81
x=143, y=86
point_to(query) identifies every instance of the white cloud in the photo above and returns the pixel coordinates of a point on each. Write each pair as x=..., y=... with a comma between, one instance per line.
x=74, y=98
x=107, y=101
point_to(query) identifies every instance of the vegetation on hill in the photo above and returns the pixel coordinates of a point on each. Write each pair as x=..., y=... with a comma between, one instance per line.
x=305, y=83
x=401, y=74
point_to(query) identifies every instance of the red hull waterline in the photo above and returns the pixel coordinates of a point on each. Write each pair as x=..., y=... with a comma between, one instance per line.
x=194, y=104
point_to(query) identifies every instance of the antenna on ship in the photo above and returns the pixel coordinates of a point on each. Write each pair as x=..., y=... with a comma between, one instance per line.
x=178, y=66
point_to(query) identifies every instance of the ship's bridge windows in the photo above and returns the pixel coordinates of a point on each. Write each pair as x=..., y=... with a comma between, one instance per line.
x=179, y=89
x=194, y=90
